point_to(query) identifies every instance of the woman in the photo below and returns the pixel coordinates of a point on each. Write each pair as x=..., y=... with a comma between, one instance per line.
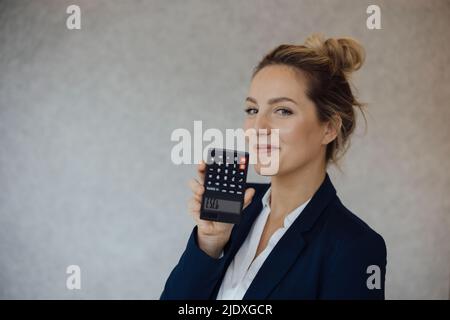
x=296, y=239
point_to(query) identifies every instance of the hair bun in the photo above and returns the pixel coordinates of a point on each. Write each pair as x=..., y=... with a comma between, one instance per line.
x=345, y=54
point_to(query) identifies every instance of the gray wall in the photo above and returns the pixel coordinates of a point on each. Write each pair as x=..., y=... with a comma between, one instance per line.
x=86, y=118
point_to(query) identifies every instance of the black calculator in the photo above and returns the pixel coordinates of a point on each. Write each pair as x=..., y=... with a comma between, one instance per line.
x=225, y=181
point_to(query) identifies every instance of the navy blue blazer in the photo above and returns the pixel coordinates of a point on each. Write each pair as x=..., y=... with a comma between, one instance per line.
x=325, y=254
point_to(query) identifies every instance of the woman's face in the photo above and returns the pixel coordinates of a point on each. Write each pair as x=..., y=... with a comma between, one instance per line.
x=277, y=100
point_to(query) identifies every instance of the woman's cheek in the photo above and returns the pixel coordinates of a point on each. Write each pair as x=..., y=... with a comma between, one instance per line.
x=295, y=141
x=290, y=134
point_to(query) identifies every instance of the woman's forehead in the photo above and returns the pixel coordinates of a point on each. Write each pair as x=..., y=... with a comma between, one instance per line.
x=277, y=81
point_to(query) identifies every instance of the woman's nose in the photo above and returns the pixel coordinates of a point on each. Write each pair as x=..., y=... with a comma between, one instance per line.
x=262, y=125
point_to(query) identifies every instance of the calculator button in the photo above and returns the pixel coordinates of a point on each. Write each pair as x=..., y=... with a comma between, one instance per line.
x=241, y=179
x=209, y=182
x=217, y=177
x=217, y=184
x=211, y=188
x=231, y=191
x=224, y=190
x=225, y=178
x=238, y=192
x=232, y=185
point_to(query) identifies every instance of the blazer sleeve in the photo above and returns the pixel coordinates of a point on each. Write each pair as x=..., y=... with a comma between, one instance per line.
x=357, y=270
x=196, y=274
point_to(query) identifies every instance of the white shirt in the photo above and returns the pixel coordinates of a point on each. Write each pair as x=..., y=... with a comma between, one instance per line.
x=242, y=270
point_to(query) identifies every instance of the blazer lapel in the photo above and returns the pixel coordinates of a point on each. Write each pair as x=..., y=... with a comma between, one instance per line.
x=289, y=247
x=240, y=232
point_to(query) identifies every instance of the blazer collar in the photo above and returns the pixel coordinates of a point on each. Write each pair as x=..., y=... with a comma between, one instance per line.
x=289, y=246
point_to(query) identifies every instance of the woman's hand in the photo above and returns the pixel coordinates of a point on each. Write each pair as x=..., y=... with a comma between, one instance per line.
x=212, y=236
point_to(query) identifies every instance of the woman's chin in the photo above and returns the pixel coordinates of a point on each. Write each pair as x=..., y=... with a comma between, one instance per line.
x=264, y=170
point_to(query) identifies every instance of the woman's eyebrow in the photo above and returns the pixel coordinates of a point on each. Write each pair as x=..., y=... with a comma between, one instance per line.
x=273, y=100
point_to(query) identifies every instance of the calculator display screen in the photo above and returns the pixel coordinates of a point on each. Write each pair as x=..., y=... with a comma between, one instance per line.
x=214, y=204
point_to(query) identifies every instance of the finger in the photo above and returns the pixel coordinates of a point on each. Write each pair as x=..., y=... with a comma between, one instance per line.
x=189, y=205
x=194, y=206
x=201, y=169
x=195, y=215
x=196, y=187
x=201, y=166
x=249, y=193
x=198, y=197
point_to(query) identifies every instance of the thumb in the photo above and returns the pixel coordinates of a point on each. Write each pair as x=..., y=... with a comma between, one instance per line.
x=249, y=193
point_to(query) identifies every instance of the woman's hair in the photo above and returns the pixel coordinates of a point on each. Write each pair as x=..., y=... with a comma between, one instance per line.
x=327, y=65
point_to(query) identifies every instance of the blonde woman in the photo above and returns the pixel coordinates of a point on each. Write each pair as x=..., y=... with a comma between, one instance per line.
x=296, y=239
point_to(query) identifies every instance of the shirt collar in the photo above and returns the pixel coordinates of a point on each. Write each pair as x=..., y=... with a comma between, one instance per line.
x=265, y=199
x=290, y=218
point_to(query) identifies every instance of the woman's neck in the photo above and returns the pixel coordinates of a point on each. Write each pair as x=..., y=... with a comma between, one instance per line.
x=290, y=190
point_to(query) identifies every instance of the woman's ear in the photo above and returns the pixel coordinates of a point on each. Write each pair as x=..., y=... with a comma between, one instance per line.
x=331, y=129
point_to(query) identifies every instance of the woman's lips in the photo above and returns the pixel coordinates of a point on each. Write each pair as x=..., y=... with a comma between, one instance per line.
x=266, y=148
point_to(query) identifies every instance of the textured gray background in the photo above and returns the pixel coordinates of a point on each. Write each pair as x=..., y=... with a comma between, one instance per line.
x=86, y=118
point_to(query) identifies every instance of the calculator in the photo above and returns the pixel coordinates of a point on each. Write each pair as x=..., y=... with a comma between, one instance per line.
x=225, y=181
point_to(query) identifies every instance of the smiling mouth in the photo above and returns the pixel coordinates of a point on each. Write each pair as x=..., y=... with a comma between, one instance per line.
x=266, y=147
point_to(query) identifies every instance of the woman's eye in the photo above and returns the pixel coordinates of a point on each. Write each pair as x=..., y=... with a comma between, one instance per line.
x=251, y=111
x=283, y=112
